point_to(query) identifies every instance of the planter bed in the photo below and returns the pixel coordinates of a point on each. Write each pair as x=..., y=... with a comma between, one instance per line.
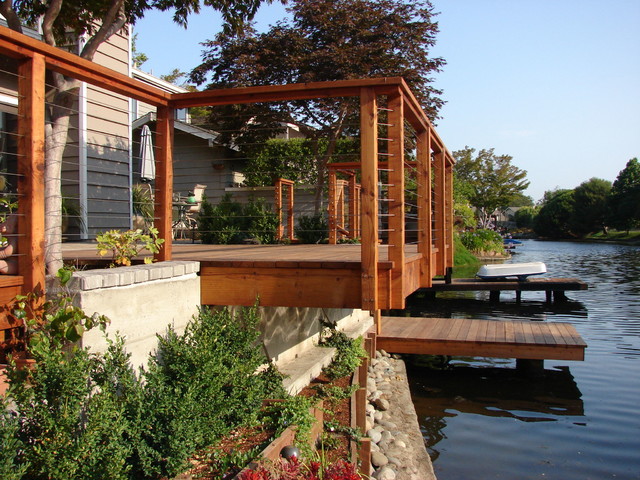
x=242, y=441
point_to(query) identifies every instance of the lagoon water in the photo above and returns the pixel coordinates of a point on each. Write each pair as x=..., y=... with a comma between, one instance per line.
x=580, y=420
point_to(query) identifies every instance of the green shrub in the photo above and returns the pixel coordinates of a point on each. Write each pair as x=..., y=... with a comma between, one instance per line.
x=461, y=255
x=82, y=415
x=12, y=467
x=349, y=352
x=482, y=241
x=231, y=222
x=312, y=229
x=72, y=413
x=199, y=386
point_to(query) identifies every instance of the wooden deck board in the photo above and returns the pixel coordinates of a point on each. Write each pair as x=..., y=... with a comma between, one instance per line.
x=487, y=338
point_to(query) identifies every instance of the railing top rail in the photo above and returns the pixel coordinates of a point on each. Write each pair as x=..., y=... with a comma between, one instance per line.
x=19, y=46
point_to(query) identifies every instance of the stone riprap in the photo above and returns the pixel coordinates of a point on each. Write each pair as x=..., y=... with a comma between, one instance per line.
x=397, y=447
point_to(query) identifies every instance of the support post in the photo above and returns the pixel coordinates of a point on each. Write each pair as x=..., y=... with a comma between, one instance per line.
x=164, y=181
x=353, y=213
x=448, y=217
x=333, y=210
x=425, y=234
x=395, y=104
x=31, y=151
x=440, y=213
x=369, y=162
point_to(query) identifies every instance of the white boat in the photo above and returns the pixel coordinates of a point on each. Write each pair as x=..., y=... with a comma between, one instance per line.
x=505, y=270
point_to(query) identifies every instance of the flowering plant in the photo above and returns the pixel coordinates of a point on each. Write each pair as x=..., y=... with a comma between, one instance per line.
x=293, y=469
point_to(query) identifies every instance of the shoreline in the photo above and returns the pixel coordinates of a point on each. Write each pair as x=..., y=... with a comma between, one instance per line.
x=398, y=451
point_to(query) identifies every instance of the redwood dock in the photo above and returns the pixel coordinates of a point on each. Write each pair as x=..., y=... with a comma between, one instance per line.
x=526, y=340
x=554, y=288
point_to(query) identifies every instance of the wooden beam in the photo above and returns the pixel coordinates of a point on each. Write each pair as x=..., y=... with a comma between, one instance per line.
x=333, y=209
x=449, y=213
x=354, y=207
x=275, y=93
x=425, y=234
x=369, y=161
x=395, y=133
x=440, y=212
x=164, y=181
x=31, y=165
x=19, y=46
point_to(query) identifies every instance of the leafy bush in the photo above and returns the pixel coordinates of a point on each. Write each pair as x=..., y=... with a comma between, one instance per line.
x=128, y=244
x=82, y=415
x=231, y=222
x=72, y=413
x=199, y=386
x=482, y=241
x=349, y=352
x=312, y=229
x=11, y=466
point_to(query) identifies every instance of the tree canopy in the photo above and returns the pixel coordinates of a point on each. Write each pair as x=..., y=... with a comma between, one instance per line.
x=324, y=40
x=590, y=207
x=490, y=181
x=624, y=201
x=555, y=215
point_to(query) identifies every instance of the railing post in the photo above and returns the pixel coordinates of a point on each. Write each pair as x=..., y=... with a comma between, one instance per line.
x=395, y=104
x=369, y=162
x=449, y=211
x=425, y=234
x=440, y=212
x=31, y=152
x=278, y=201
x=353, y=213
x=333, y=220
x=164, y=181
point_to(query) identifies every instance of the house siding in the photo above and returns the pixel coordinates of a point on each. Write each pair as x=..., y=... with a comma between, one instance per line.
x=108, y=145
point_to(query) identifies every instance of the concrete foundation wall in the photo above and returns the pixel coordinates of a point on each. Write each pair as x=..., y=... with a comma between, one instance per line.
x=290, y=332
x=141, y=301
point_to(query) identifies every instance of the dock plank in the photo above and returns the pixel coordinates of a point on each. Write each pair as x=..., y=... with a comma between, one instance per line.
x=487, y=338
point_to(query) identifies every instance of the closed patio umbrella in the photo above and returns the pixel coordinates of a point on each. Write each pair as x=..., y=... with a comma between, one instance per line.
x=147, y=159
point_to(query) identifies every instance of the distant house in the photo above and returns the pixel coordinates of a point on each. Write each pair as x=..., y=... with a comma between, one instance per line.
x=197, y=156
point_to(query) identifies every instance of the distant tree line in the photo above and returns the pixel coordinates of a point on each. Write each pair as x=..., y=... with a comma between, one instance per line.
x=594, y=205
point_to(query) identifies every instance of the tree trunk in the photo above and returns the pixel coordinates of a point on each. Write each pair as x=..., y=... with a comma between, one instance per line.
x=56, y=130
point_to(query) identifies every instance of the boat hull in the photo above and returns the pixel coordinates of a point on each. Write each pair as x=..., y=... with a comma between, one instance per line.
x=521, y=271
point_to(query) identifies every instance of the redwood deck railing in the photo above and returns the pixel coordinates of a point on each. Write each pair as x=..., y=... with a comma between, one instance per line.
x=432, y=165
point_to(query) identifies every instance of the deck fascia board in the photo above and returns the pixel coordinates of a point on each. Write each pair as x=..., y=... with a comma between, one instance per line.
x=483, y=338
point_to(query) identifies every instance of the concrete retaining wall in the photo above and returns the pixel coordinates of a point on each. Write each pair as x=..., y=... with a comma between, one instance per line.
x=140, y=301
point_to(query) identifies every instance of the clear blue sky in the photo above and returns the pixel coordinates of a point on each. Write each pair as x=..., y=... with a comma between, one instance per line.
x=553, y=83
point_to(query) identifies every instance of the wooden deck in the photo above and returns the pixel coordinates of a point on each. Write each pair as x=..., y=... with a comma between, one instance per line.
x=481, y=338
x=325, y=276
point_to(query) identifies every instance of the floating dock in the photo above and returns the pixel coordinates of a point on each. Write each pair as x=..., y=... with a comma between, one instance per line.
x=554, y=288
x=525, y=340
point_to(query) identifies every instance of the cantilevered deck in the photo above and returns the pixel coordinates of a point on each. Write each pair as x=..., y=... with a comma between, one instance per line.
x=482, y=338
x=325, y=276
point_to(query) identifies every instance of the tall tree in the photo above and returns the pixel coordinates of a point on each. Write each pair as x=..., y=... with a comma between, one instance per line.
x=97, y=21
x=491, y=180
x=323, y=40
x=624, y=200
x=590, y=207
x=555, y=215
